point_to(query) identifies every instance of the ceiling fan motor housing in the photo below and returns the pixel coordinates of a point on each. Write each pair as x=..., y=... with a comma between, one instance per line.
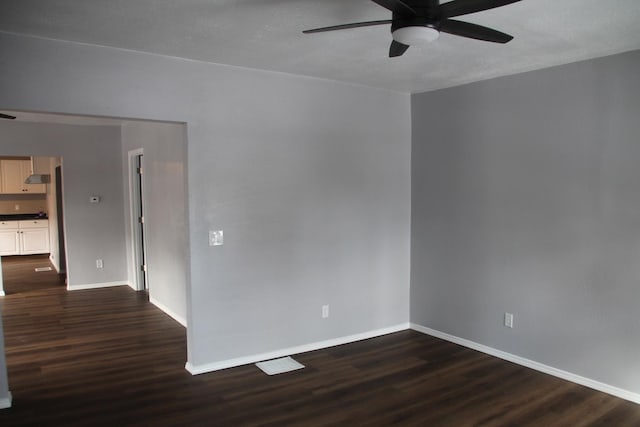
x=412, y=30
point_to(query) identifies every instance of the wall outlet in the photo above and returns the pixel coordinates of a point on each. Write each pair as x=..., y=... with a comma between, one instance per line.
x=508, y=320
x=325, y=311
x=99, y=263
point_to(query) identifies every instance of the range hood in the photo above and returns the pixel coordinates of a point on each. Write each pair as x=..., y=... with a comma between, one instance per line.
x=38, y=178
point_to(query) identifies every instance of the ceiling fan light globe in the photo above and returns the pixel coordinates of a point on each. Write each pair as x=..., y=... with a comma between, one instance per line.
x=415, y=35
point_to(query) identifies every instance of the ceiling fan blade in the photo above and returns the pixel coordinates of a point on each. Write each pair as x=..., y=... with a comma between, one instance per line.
x=473, y=31
x=397, y=49
x=464, y=7
x=6, y=116
x=396, y=6
x=347, y=26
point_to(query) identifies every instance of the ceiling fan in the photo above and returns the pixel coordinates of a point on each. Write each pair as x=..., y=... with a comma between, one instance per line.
x=6, y=116
x=419, y=21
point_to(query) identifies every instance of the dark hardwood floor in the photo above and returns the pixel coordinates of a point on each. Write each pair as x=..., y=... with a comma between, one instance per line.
x=107, y=357
x=20, y=276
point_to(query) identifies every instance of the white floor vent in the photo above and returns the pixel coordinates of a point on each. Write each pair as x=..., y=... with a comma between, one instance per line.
x=43, y=269
x=279, y=366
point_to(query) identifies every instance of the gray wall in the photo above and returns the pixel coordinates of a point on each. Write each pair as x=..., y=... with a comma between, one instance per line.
x=165, y=188
x=526, y=198
x=91, y=165
x=309, y=179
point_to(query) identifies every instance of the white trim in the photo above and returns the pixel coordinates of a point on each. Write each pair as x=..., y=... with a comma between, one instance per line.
x=56, y=266
x=1, y=282
x=5, y=402
x=587, y=382
x=134, y=200
x=96, y=285
x=239, y=361
x=54, y=263
x=166, y=310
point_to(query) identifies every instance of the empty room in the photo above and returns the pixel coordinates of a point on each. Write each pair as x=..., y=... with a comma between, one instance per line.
x=425, y=213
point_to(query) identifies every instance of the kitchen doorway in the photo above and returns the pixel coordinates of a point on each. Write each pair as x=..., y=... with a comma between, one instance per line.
x=32, y=219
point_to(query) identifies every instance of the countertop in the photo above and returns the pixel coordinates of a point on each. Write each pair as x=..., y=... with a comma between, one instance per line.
x=21, y=217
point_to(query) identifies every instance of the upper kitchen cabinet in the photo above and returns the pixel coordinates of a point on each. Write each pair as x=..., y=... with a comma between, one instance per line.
x=14, y=173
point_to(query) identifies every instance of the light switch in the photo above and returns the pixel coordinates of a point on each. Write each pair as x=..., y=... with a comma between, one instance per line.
x=216, y=237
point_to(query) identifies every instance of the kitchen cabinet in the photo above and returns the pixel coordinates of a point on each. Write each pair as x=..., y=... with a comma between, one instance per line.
x=13, y=173
x=9, y=238
x=25, y=237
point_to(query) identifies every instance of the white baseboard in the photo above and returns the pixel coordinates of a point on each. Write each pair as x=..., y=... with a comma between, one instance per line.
x=230, y=363
x=2, y=293
x=56, y=266
x=54, y=262
x=587, y=382
x=5, y=402
x=95, y=285
x=164, y=308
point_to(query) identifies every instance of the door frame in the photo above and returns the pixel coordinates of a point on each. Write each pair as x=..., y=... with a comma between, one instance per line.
x=140, y=279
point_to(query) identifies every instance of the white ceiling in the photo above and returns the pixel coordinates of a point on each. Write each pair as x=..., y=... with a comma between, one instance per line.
x=267, y=34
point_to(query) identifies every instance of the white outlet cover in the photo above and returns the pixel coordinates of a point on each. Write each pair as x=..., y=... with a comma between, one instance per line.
x=216, y=237
x=508, y=320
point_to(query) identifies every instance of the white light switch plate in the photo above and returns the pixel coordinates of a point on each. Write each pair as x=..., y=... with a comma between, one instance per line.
x=325, y=311
x=216, y=237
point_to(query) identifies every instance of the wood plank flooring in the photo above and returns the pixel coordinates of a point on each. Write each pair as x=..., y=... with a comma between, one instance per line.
x=20, y=276
x=107, y=357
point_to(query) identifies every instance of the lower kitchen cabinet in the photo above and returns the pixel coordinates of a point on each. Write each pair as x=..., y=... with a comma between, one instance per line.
x=9, y=241
x=24, y=237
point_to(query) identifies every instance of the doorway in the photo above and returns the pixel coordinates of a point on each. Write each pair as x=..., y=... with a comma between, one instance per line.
x=33, y=254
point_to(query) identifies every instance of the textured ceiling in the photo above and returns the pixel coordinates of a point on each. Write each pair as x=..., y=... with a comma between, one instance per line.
x=267, y=34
